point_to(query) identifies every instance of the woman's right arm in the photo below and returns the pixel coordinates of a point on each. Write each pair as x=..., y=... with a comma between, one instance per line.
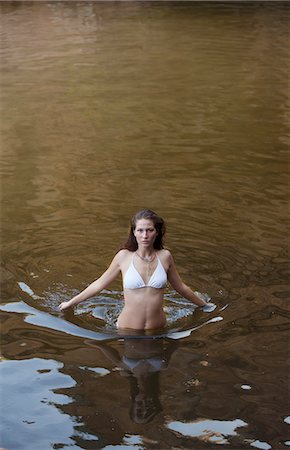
x=96, y=286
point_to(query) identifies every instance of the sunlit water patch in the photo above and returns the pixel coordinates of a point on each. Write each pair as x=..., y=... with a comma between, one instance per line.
x=212, y=431
x=260, y=445
x=216, y=432
x=39, y=417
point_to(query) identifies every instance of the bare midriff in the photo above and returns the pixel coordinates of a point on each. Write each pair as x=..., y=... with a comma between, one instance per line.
x=143, y=309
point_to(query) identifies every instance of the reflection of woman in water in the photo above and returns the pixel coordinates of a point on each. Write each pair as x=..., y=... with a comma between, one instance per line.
x=141, y=363
x=146, y=267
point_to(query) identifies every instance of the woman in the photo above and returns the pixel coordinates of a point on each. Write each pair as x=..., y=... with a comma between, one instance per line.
x=146, y=267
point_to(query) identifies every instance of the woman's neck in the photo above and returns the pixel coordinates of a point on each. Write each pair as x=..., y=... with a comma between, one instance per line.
x=146, y=255
x=145, y=252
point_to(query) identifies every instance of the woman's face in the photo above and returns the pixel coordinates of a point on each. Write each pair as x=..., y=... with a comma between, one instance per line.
x=145, y=233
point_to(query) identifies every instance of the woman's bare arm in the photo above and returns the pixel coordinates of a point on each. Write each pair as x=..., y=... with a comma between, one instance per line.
x=96, y=286
x=177, y=284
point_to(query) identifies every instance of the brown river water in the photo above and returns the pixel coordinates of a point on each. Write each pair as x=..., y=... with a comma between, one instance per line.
x=109, y=107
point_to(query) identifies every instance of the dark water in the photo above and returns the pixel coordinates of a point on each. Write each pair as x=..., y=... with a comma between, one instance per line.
x=108, y=107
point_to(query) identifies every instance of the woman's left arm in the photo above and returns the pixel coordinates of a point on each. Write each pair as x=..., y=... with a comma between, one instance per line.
x=177, y=284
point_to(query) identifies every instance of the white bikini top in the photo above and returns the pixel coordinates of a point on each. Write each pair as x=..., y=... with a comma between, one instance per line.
x=153, y=364
x=133, y=280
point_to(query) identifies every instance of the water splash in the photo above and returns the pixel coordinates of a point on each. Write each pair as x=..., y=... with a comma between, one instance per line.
x=96, y=318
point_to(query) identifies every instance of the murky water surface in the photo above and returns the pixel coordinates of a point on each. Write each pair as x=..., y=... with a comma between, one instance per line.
x=108, y=107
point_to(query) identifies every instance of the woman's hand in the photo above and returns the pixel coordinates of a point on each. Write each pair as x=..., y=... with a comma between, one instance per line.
x=64, y=305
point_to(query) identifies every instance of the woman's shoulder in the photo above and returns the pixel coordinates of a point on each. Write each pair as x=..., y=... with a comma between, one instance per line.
x=165, y=257
x=165, y=254
x=123, y=254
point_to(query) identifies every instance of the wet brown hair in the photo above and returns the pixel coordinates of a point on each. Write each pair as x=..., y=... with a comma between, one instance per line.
x=159, y=225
